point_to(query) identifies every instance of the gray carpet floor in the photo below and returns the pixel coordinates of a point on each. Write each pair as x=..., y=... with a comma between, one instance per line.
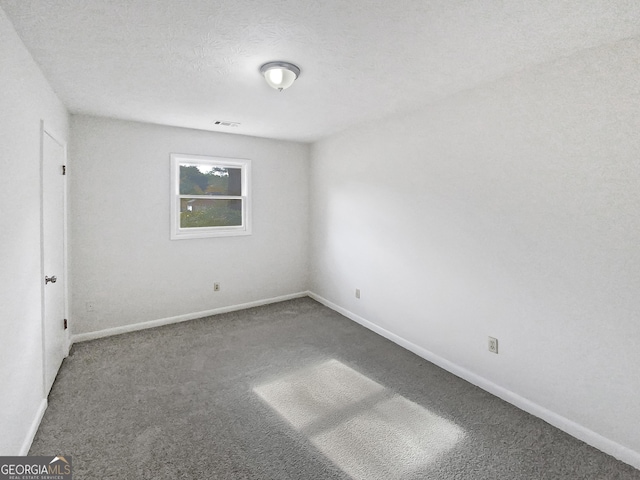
x=291, y=390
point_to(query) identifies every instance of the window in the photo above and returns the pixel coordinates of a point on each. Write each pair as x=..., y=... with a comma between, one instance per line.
x=209, y=196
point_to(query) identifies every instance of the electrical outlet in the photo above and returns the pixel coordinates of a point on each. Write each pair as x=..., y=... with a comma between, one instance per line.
x=357, y=293
x=216, y=287
x=493, y=345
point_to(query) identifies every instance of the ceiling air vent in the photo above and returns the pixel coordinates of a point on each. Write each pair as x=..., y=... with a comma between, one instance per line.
x=225, y=123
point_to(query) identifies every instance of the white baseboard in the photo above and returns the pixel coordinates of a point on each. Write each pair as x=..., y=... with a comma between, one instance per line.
x=83, y=337
x=33, y=429
x=574, y=429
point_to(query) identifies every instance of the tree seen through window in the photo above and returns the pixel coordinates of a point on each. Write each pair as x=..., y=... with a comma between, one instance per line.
x=208, y=181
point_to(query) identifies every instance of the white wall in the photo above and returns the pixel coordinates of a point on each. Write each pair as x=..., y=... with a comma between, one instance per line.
x=511, y=210
x=25, y=99
x=122, y=258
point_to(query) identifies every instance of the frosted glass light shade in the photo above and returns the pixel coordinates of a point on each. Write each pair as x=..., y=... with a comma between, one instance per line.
x=280, y=75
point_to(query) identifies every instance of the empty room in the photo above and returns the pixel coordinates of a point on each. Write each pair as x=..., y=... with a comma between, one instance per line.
x=320, y=240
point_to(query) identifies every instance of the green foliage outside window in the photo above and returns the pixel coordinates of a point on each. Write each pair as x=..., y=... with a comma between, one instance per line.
x=219, y=213
x=213, y=181
x=210, y=182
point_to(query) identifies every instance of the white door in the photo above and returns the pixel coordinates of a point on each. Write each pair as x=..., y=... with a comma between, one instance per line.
x=53, y=200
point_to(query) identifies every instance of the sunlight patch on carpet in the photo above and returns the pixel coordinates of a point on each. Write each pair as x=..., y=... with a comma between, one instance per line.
x=365, y=429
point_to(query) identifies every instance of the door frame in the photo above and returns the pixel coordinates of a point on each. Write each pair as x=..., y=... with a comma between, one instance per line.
x=45, y=130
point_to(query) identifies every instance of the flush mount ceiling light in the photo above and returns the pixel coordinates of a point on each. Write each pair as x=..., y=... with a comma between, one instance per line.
x=280, y=75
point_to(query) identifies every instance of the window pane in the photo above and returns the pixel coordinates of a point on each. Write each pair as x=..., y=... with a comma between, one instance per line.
x=199, y=179
x=202, y=212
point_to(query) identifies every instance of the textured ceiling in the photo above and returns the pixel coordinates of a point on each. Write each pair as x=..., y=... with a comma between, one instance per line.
x=191, y=62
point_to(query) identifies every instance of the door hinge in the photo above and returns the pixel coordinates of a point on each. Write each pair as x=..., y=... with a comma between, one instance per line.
x=65, y=323
x=64, y=169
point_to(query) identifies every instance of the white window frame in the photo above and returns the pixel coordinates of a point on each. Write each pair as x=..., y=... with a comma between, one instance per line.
x=178, y=233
